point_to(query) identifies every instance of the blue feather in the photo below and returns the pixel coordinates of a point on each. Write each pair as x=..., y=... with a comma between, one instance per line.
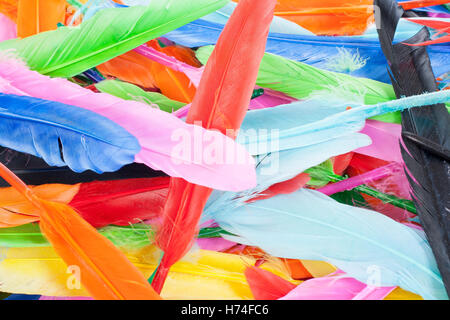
x=359, y=56
x=365, y=244
x=88, y=140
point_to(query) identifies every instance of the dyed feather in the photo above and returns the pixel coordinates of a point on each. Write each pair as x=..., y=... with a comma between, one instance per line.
x=128, y=91
x=120, y=32
x=217, y=104
x=9, y=8
x=359, y=56
x=385, y=140
x=7, y=28
x=299, y=80
x=315, y=121
x=353, y=239
x=158, y=132
x=427, y=170
x=337, y=286
x=34, y=16
x=441, y=26
x=107, y=273
x=64, y=135
x=266, y=285
x=130, y=67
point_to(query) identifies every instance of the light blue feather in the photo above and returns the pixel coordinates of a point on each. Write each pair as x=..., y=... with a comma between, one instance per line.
x=365, y=244
x=89, y=141
x=316, y=120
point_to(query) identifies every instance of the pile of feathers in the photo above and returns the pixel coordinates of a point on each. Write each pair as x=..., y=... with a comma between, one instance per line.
x=215, y=149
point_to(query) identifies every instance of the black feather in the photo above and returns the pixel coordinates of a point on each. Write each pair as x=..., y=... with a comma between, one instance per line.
x=34, y=171
x=425, y=130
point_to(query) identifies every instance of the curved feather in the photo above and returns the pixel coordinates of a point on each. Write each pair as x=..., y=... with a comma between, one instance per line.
x=68, y=51
x=217, y=104
x=353, y=239
x=166, y=141
x=64, y=135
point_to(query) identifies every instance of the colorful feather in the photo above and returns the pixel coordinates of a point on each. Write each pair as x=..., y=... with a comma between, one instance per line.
x=65, y=135
x=7, y=28
x=358, y=241
x=426, y=155
x=120, y=33
x=165, y=141
x=217, y=104
x=106, y=272
x=34, y=16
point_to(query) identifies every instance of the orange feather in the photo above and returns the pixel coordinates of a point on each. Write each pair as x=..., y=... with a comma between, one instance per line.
x=9, y=8
x=105, y=272
x=35, y=16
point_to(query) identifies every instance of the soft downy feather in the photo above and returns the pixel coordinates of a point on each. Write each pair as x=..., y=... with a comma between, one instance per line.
x=356, y=240
x=106, y=272
x=218, y=105
x=122, y=29
x=159, y=133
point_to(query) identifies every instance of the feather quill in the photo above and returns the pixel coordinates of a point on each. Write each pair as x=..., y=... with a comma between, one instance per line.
x=427, y=170
x=217, y=105
x=160, y=134
x=68, y=51
x=106, y=272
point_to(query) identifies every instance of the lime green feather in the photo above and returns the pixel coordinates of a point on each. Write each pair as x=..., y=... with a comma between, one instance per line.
x=68, y=51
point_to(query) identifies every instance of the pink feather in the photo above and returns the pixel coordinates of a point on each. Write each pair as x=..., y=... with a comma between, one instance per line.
x=385, y=141
x=337, y=286
x=155, y=130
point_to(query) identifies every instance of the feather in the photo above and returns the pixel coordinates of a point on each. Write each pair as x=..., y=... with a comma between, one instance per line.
x=120, y=33
x=313, y=121
x=128, y=91
x=175, y=85
x=9, y=8
x=65, y=135
x=337, y=286
x=299, y=80
x=385, y=140
x=34, y=16
x=427, y=171
x=366, y=245
x=130, y=67
x=359, y=56
x=107, y=273
x=266, y=285
x=217, y=104
x=414, y=4
x=214, y=275
x=30, y=169
x=7, y=28
x=166, y=142
x=441, y=26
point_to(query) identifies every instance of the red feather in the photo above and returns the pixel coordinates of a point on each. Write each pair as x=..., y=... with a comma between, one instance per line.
x=267, y=286
x=220, y=103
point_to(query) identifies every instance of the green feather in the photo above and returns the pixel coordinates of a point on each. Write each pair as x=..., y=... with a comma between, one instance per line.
x=128, y=91
x=131, y=237
x=300, y=81
x=68, y=51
